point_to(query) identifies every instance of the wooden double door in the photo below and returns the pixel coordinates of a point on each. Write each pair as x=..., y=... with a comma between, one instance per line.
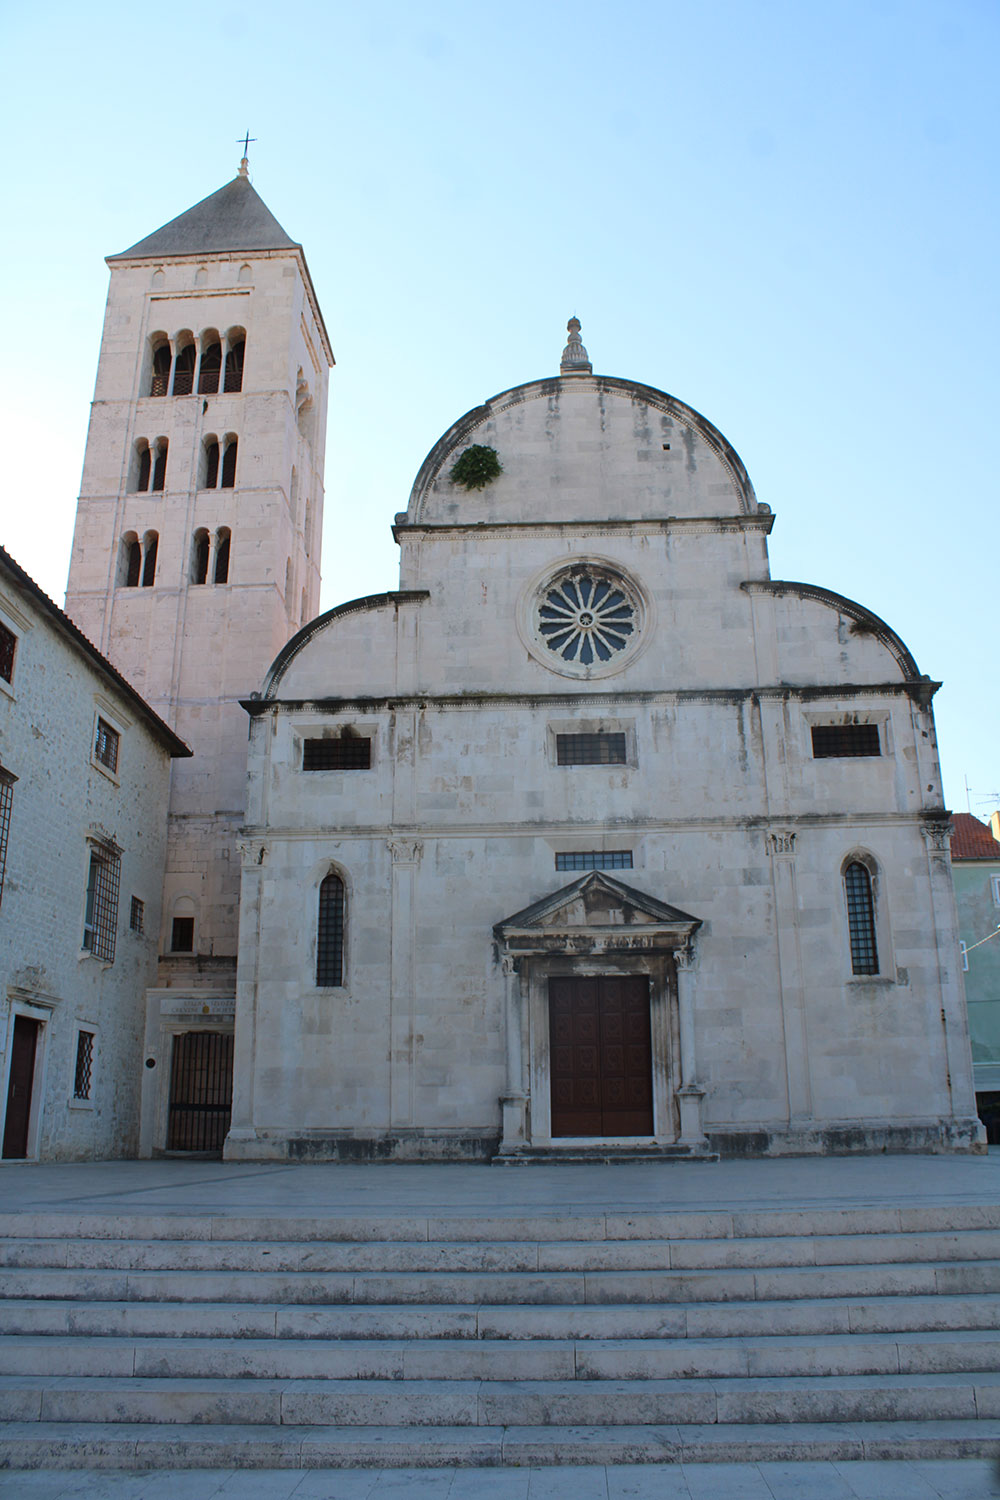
x=601, y=1056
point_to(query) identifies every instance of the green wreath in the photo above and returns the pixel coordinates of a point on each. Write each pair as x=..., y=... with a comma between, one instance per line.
x=476, y=468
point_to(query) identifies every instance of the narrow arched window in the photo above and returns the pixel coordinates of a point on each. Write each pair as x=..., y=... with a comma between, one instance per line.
x=149, y=561
x=234, y=366
x=330, y=933
x=160, y=466
x=132, y=561
x=861, y=918
x=184, y=371
x=211, y=464
x=229, y=465
x=222, y=543
x=144, y=469
x=211, y=369
x=161, y=371
x=199, y=558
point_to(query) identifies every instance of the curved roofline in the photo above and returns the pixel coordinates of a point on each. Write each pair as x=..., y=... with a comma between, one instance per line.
x=869, y=622
x=291, y=648
x=433, y=463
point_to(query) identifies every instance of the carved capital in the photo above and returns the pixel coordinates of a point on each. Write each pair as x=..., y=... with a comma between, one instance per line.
x=937, y=834
x=405, y=851
x=781, y=841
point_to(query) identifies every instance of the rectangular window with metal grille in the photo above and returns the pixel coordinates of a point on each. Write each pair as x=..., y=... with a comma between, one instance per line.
x=829, y=740
x=83, y=1072
x=595, y=859
x=106, y=745
x=342, y=753
x=590, y=749
x=101, y=917
x=137, y=915
x=6, y=802
x=8, y=645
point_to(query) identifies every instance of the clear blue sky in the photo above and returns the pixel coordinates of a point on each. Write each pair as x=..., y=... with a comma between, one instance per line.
x=783, y=213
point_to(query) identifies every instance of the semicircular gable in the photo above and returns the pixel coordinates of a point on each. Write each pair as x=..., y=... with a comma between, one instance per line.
x=301, y=668
x=584, y=447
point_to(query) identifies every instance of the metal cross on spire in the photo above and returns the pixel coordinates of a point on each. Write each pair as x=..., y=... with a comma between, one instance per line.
x=246, y=142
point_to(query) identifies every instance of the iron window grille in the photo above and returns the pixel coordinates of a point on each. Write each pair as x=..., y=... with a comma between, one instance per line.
x=343, y=753
x=137, y=915
x=861, y=919
x=595, y=859
x=101, y=916
x=590, y=749
x=829, y=740
x=8, y=645
x=83, y=1073
x=106, y=745
x=330, y=933
x=6, y=802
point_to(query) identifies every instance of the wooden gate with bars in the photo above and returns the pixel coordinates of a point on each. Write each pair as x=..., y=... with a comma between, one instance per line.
x=201, y=1091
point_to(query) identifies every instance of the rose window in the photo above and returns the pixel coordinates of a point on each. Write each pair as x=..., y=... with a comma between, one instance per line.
x=587, y=617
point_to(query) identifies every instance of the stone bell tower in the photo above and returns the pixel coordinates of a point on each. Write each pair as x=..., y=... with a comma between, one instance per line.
x=196, y=549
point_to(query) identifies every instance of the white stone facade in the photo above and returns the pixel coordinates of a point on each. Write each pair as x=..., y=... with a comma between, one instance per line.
x=84, y=771
x=726, y=838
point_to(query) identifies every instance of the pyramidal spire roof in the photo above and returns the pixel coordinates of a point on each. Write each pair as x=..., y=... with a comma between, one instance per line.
x=234, y=218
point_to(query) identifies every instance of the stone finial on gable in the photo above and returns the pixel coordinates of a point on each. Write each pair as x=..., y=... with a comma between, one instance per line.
x=574, y=358
x=244, y=170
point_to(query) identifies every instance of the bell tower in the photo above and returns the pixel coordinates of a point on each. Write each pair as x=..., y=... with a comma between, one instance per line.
x=196, y=549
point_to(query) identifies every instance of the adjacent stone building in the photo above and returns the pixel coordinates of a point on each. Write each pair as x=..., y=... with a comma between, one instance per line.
x=593, y=839
x=975, y=853
x=84, y=776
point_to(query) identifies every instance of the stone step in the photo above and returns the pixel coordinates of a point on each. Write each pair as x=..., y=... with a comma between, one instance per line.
x=818, y=1317
x=542, y=1226
x=900, y=1279
x=77, y=1446
x=499, y=1359
x=470, y=1403
x=441, y=1256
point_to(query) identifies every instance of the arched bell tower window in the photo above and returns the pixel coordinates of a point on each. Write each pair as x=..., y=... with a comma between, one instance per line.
x=150, y=545
x=330, y=933
x=131, y=560
x=160, y=465
x=860, y=896
x=184, y=365
x=210, y=370
x=223, y=540
x=160, y=378
x=234, y=360
x=211, y=462
x=142, y=467
x=199, y=556
x=229, y=464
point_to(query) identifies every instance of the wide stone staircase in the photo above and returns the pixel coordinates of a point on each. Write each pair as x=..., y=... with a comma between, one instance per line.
x=165, y=1341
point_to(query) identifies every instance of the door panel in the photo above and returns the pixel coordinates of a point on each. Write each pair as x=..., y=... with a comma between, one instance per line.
x=19, y=1087
x=201, y=1091
x=601, y=1056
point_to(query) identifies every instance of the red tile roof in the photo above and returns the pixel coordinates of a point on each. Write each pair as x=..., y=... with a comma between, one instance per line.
x=972, y=839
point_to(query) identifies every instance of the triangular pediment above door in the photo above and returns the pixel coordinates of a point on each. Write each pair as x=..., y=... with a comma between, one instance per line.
x=600, y=908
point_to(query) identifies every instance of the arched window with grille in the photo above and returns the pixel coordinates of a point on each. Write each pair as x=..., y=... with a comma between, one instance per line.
x=151, y=542
x=229, y=464
x=210, y=371
x=184, y=364
x=330, y=933
x=199, y=556
x=223, y=541
x=234, y=360
x=160, y=378
x=859, y=891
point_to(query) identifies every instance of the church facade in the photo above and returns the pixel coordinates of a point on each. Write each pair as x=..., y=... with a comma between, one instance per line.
x=591, y=840
x=594, y=840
